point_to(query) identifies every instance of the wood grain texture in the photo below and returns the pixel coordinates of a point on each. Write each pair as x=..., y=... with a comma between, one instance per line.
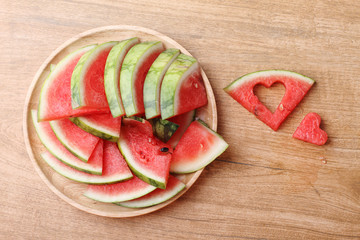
x=266, y=185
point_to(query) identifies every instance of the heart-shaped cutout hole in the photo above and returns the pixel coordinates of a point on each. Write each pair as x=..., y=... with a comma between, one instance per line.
x=270, y=96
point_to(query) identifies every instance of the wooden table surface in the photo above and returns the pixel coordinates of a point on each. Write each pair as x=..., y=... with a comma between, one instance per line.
x=267, y=185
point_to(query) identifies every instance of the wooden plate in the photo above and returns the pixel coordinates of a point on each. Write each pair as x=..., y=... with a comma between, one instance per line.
x=69, y=190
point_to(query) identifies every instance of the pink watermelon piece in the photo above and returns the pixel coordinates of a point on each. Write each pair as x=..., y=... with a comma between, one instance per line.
x=135, y=67
x=104, y=125
x=296, y=85
x=309, y=130
x=87, y=82
x=55, y=147
x=183, y=120
x=173, y=187
x=119, y=192
x=197, y=148
x=76, y=140
x=55, y=96
x=182, y=89
x=148, y=157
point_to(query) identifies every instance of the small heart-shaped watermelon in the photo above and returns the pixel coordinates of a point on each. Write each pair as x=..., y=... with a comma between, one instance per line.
x=309, y=130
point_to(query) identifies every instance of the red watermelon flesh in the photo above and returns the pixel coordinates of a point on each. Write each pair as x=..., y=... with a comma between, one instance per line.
x=115, y=168
x=197, y=148
x=140, y=79
x=94, y=92
x=183, y=120
x=119, y=192
x=144, y=153
x=309, y=130
x=192, y=94
x=55, y=147
x=76, y=140
x=296, y=85
x=55, y=96
x=114, y=162
x=173, y=187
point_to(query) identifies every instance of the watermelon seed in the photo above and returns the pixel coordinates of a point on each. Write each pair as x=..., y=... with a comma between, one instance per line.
x=281, y=107
x=196, y=85
x=164, y=149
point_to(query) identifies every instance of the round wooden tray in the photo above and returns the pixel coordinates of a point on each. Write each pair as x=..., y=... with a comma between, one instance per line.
x=68, y=190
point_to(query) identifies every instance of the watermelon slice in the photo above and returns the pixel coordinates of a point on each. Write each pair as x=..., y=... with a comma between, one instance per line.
x=76, y=140
x=87, y=81
x=173, y=187
x=163, y=129
x=154, y=79
x=55, y=96
x=115, y=168
x=55, y=147
x=112, y=75
x=309, y=130
x=101, y=125
x=182, y=89
x=183, y=120
x=296, y=85
x=119, y=192
x=197, y=148
x=147, y=156
x=133, y=72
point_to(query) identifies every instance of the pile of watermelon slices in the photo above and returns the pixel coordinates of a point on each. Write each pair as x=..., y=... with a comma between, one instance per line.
x=120, y=117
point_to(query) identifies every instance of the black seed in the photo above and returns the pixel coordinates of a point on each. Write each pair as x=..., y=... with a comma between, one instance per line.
x=164, y=149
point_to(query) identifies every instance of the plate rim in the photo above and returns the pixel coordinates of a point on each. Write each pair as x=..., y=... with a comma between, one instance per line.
x=26, y=114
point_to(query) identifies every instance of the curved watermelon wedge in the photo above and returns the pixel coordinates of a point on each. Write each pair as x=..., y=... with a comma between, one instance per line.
x=119, y=192
x=55, y=147
x=55, y=95
x=87, y=81
x=309, y=130
x=76, y=140
x=112, y=75
x=133, y=72
x=154, y=79
x=183, y=120
x=147, y=156
x=101, y=125
x=182, y=89
x=115, y=168
x=173, y=187
x=197, y=148
x=296, y=85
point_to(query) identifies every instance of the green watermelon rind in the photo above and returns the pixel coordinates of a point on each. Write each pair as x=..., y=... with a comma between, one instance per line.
x=263, y=73
x=42, y=106
x=82, y=177
x=133, y=59
x=62, y=138
x=179, y=70
x=111, y=73
x=78, y=76
x=217, y=149
x=154, y=79
x=120, y=197
x=163, y=129
x=95, y=130
x=154, y=201
x=81, y=166
x=141, y=173
x=191, y=117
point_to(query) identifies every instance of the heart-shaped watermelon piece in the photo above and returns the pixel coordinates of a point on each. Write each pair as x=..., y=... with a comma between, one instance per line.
x=309, y=130
x=296, y=85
